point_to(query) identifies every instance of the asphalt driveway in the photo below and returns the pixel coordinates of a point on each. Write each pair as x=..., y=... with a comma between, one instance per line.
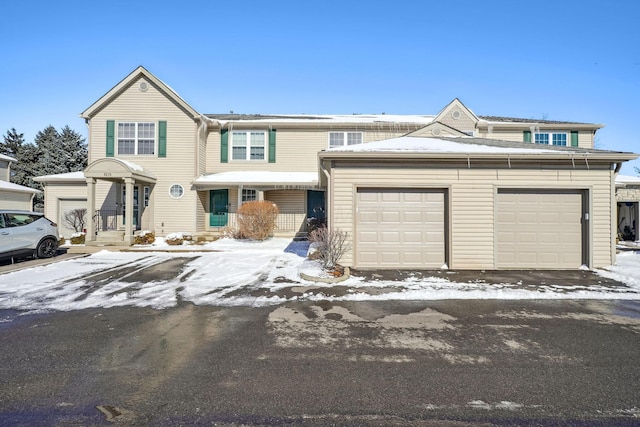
x=452, y=363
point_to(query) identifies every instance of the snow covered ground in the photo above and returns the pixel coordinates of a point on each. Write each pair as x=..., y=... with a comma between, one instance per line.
x=230, y=272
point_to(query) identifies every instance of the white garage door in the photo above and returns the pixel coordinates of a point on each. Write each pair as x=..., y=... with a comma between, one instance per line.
x=67, y=205
x=400, y=228
x=539, y=229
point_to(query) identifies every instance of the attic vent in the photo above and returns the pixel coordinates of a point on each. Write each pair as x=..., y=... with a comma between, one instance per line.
x=436, y=132
x=456, y=114
x=143, y=86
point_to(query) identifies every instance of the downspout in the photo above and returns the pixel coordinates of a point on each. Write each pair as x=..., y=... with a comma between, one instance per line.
x=329, y=191
x=618, y=167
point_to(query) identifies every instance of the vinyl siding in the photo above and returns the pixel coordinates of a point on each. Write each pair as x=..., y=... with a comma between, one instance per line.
x=471, y=202
x=15, y=200
x=179, y=167
x=296, y=150
x=288, y=201
x=585, y=138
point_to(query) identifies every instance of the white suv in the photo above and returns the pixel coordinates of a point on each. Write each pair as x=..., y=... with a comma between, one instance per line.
x=24, y=233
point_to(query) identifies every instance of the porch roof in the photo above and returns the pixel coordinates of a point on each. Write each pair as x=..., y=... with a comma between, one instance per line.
x=113, y=169
x=257, y=179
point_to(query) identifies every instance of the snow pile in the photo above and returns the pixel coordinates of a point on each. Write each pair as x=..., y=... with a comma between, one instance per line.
x=231, y=272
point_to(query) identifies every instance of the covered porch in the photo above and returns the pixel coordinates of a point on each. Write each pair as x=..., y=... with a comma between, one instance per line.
x=119, y=214
x=297, y=195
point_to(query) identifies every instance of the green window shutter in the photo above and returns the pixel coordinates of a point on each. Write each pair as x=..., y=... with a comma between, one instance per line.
x=224, y=146
x=272, y=146
x=574, y=138
x=162, y=139
x=111, y=132
x=526, y=136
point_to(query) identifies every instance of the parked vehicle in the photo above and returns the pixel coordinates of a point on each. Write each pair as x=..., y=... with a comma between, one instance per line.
x=25, y=233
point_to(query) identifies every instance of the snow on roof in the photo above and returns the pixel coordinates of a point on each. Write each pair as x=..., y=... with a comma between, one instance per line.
x=69, y=176
x=10, y=186
x=7, y=158
x=628, y=179
x=259, y=178
x=322, y=118
x=132, y=165
x=437, y=145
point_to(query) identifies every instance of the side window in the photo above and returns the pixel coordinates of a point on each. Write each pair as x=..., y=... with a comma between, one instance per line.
x=2, y=221
x=18, y=219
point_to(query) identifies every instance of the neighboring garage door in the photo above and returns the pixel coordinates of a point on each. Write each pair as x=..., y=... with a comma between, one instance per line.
x=68, y=205
x=400, y=228
x=539, y=229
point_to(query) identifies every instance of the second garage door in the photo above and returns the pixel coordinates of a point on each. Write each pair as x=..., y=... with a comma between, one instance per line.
x=400, y=228
x=539, y=229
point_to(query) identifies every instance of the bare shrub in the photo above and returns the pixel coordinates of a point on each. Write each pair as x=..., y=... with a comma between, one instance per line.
x=77, y=238
x=257, y=220
x=330, y=245
x=174, y=239
x=75, y=219
x=145, y=237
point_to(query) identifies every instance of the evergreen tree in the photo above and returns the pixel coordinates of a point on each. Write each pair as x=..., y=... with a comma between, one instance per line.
x=12, y=143
x=72, y=143
x=53, y=158
x=53, y=152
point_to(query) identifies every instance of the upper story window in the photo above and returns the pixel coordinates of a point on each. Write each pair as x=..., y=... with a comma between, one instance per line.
x=136, y=138
x=248, y=145
x=557, y=138
x=340, y=139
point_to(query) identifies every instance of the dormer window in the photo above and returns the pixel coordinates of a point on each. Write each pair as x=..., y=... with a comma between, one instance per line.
x=340, y=139
x=553, y=138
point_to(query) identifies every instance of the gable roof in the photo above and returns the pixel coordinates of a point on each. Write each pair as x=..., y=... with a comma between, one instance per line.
x=464, y=147
x=127, y=82
x=453, y=104
x=10, y=186
x=7, y=158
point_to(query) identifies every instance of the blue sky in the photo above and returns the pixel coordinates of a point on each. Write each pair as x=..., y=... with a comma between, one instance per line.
x=560, y=60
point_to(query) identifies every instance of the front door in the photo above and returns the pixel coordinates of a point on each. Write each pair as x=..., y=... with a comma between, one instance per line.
x=315, y=205
x=219, y=207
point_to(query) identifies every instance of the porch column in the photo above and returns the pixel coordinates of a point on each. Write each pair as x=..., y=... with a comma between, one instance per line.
x=128, y=214
x=91, y=209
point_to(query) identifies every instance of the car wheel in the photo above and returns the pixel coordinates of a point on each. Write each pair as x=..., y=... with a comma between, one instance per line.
x=47, y=248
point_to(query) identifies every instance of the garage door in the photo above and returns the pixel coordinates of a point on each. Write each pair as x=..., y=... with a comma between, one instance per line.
x=67, y=205
x=539, y=229
x=400, y=228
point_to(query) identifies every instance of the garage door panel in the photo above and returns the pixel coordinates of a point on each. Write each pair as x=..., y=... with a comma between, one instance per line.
x=539, y=229
x=390, y=217
x=409, y=229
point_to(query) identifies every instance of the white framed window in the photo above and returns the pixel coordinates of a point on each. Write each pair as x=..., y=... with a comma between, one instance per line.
x=249, y=195
x=146, y=192
x=176, y=191
x=248, y=145
x=553, y=138
x=136, y=138
x=341, y=139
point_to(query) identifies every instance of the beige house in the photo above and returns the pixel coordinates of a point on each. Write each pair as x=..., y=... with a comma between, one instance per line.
x=13, y=196
x=413, y=191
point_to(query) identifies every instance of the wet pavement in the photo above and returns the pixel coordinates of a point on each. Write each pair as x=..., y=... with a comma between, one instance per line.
x=423, y=363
